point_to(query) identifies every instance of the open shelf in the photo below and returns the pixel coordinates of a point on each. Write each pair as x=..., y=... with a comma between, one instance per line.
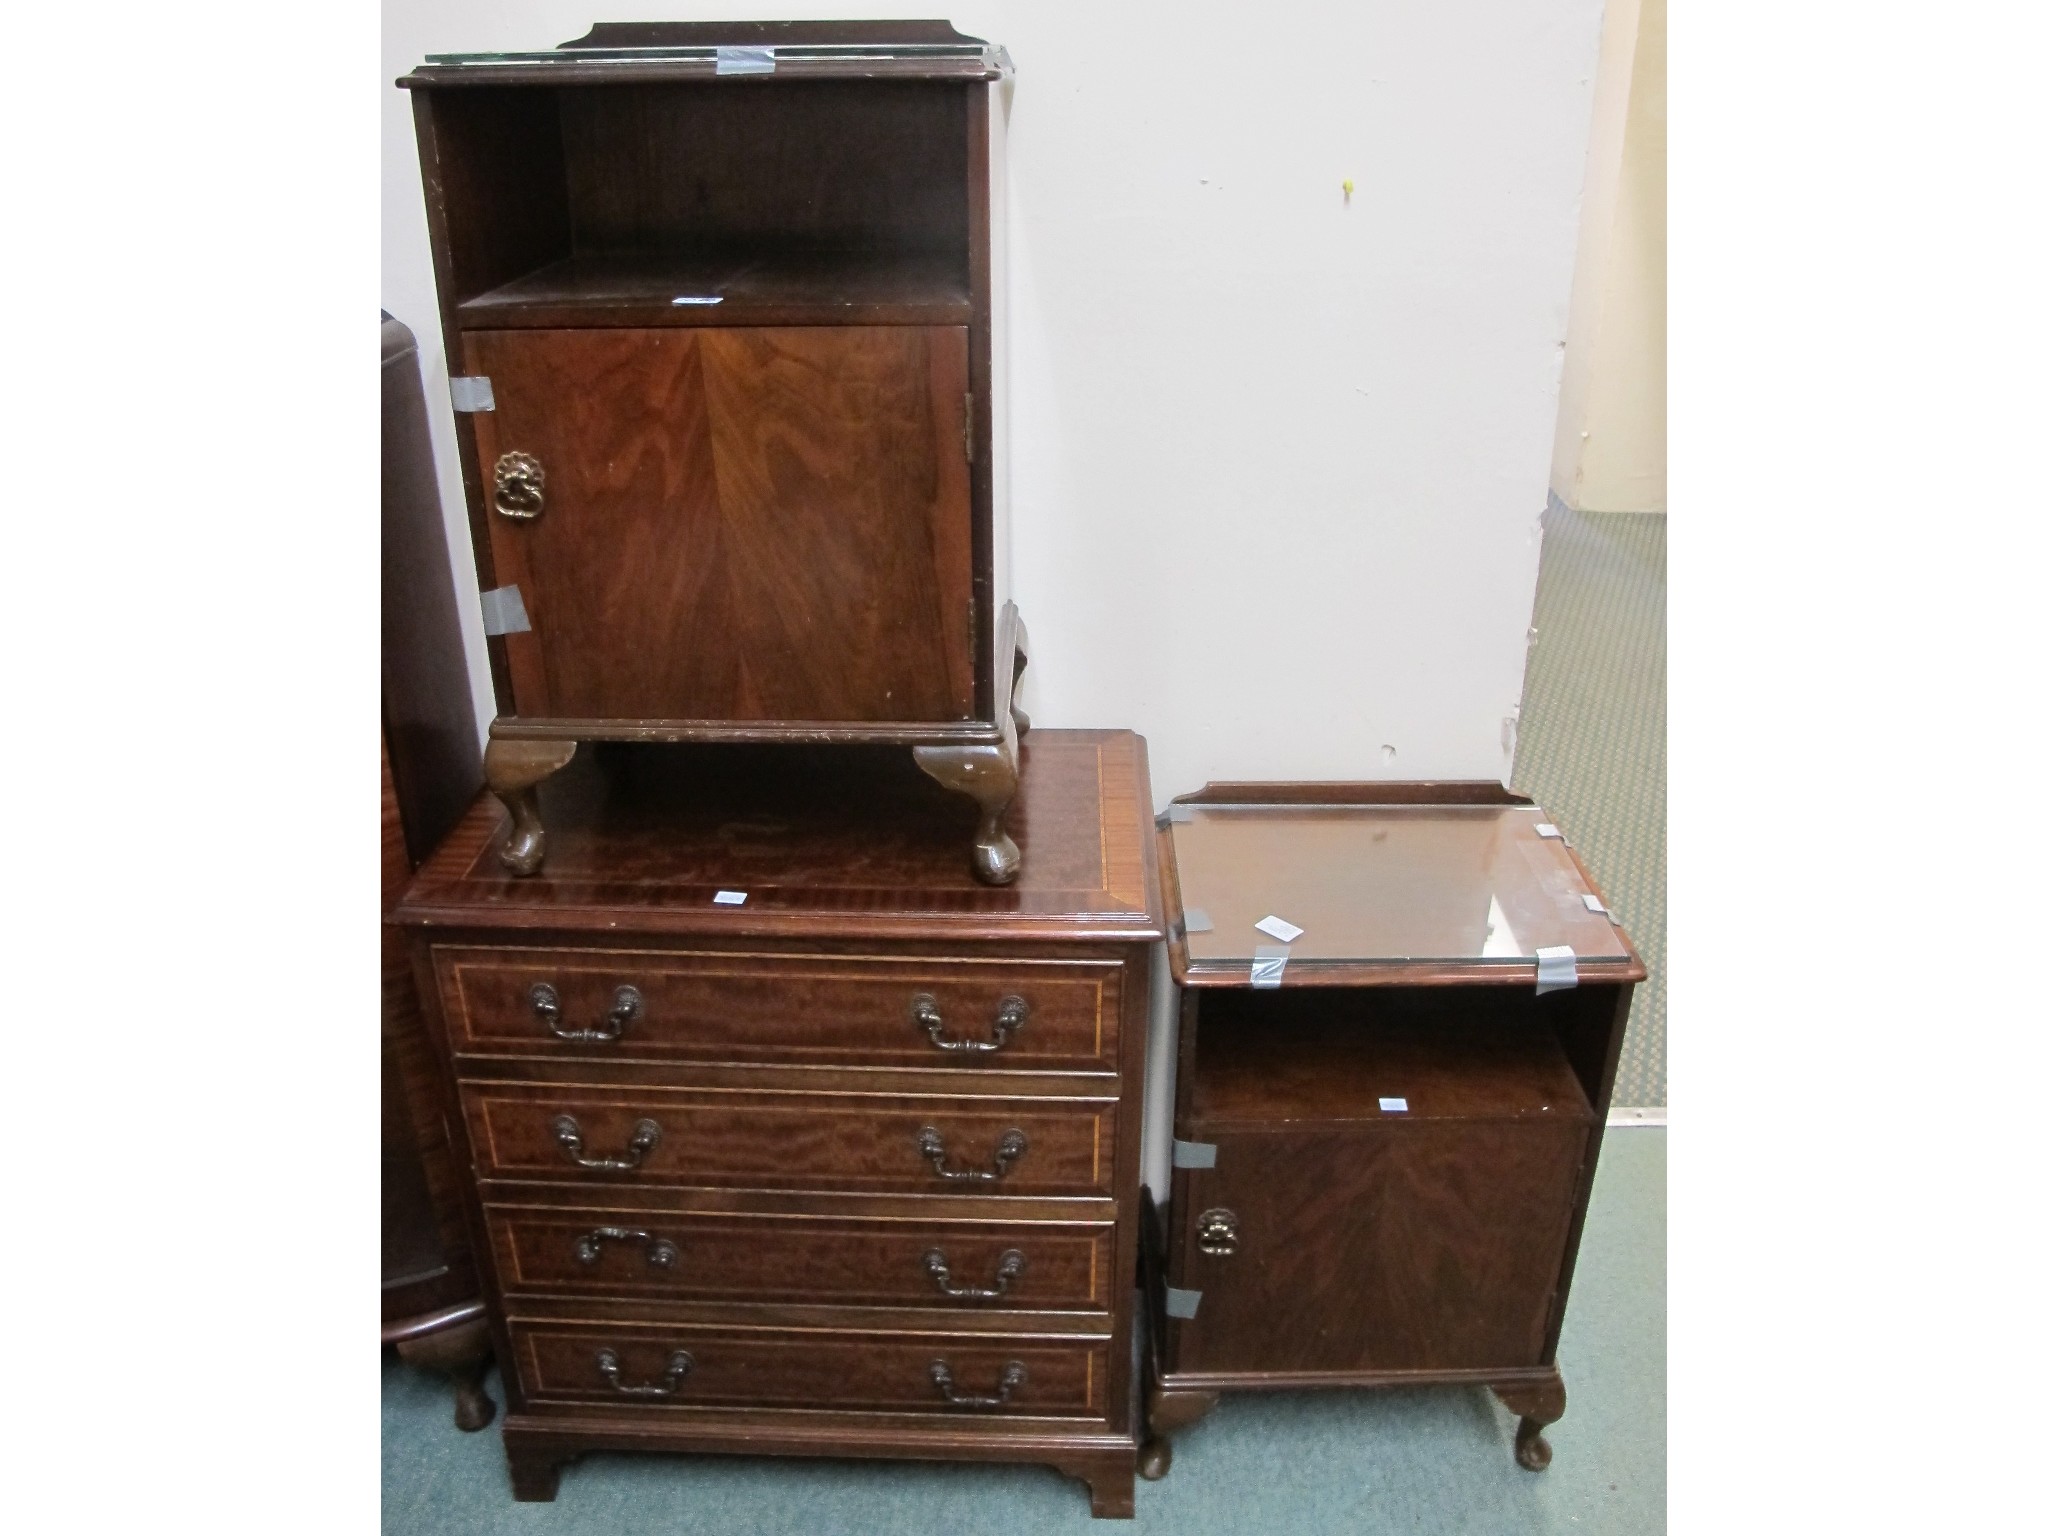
x=1270, y=1061
x=774, y=288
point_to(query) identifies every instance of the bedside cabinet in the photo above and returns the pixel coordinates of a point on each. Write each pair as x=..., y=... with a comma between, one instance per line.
x=784, y=1135
x=1389, y=1099
x=720, y=302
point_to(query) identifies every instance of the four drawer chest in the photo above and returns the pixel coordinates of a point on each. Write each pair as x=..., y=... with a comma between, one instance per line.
x=783, y=1134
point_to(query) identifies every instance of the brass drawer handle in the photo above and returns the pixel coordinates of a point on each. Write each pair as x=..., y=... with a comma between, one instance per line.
x=569, y=1136
x=1011, y=1013
x=932, y=1146
x=661, y=1253
x=679, y=1366
x=547, y=1007
x=1012, y=1378
x=1216, y=1232
x=1008, y=1268
x=518, y=486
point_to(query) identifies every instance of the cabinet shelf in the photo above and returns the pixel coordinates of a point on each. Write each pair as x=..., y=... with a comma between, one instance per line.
x=1268, y=1063
x=783, y=288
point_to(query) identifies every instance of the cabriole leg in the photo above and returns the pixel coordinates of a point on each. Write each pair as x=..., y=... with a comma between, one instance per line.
x=1539, y=1405
x=462, y=1354
x=1165, y=1412
x=989, y=775
x=514, y=770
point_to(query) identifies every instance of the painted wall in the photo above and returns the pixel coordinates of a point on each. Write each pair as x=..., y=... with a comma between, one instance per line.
x=1609, y=453
x=1277, y=457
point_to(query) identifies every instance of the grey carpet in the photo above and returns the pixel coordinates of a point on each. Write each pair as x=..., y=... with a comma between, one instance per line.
x=1591, y=748
x=1427, y=1461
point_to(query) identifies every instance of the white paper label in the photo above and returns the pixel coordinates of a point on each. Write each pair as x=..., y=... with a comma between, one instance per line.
x=730, y=899
x=1592, y=902
x=1279, y=928
x=1394, y=1106
x=1545, y=829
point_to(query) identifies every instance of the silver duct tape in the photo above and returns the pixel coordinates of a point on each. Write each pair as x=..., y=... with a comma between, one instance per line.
x=1196, y=920
x=1557, y=967
x=1194, y=1154
x=472, y=393
x=505, y=612
x=1182, y=1303
x=1269, y=964
x=746, y=59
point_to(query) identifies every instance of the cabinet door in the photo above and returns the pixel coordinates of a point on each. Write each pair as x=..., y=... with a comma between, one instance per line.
x=1425, y=1246
x=735, y=525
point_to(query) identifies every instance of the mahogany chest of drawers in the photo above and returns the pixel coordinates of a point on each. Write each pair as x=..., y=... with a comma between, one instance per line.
x=785, y=1135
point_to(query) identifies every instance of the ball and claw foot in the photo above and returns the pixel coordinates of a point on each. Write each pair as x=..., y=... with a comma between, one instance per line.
x=1155, y=1458
x=513, y=770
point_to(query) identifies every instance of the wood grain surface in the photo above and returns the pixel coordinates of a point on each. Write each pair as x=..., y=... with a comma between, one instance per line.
x=836, y=1261
x=1425, y=1246
x=819, y=1010
x=759, y=1140
x=788, y=1369
x=839, y=842
x=751, y=524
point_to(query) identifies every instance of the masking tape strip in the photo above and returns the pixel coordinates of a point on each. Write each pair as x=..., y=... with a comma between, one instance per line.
x=1196, y=920
x=1557, y=968
x=1179, y=815
x=1269, y=964
x=505, y=612
x=746, y=59
x=1181, y=1303
x=1193, y=1154
x=471, y=392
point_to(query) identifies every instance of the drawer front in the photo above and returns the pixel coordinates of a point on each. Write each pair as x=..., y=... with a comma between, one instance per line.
x=897, y=1144
x=647, y=1255
x=796, y=1009
x=969, y=1376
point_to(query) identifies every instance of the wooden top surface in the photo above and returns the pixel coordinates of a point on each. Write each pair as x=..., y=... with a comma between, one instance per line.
x=843, y=841
x=657, y=52
x=1404, y=883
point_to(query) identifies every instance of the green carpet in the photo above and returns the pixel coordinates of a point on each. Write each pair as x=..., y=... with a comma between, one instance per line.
x=1591, y=747
x=1439, y=1460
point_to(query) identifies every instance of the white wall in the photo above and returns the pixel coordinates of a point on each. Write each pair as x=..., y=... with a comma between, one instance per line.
x=1610, y=455
x=1277, y=462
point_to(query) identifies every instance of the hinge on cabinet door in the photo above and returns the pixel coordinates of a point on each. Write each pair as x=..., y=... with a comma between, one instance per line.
x=967, y=426
x=1182, y=1303
x=1193, y=1154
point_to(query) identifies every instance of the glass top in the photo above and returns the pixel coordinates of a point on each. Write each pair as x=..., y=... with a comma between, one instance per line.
x=1465, y=884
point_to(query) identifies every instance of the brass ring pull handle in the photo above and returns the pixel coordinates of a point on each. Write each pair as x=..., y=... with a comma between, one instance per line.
x=1012, y=1378
x=661, y=1253
x=547, y=1007
x=679, y=1366
x=1008, y=1267
x=569, y=1136
x=1011, y=1013
x=519, y=486
x=932, y=1147
x=1216, y=1232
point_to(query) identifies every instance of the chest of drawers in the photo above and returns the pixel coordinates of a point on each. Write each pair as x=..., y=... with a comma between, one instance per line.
x=782, y=1133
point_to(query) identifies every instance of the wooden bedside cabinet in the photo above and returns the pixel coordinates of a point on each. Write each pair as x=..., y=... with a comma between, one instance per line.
x=784, y=1135
x=720, y=303
x=1386, y=1124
